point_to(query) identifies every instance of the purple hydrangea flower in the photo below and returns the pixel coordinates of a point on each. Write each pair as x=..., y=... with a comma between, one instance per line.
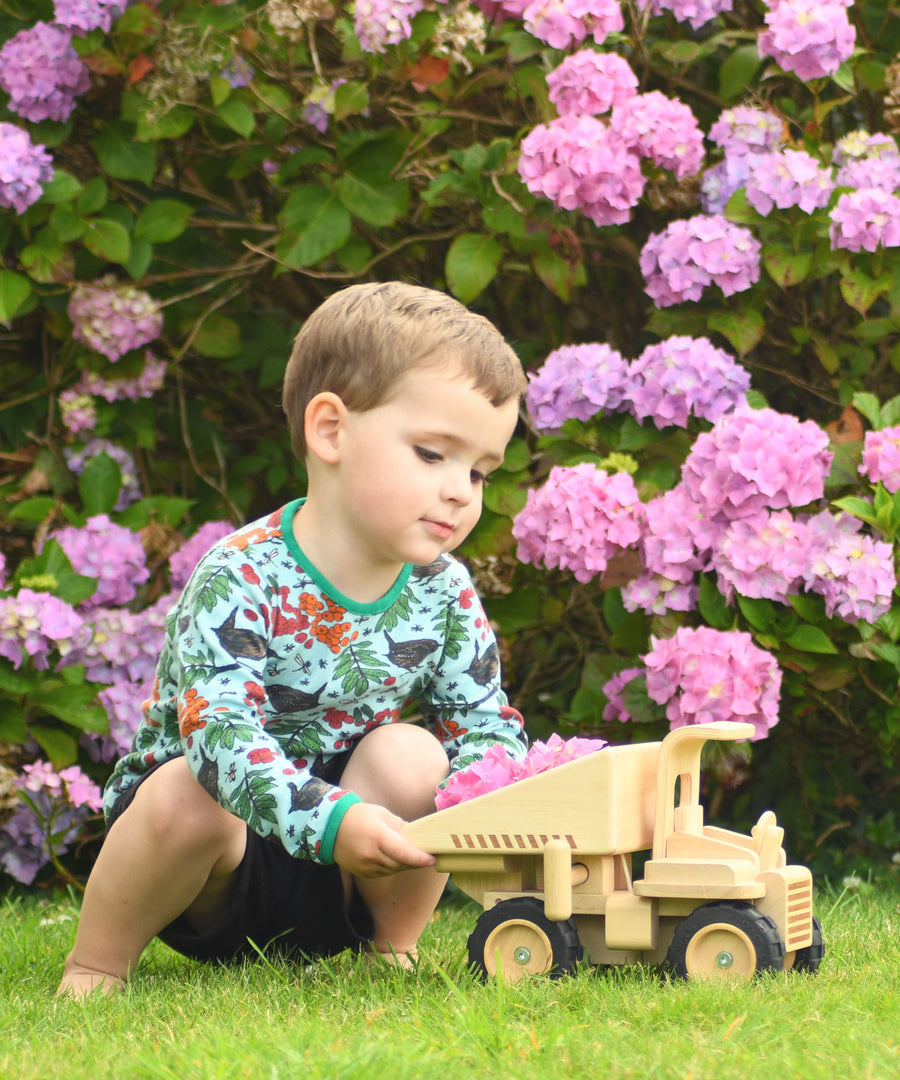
x=723, y=179
x=24, y=168
x=42, y=73
x=812, y=38
x=122, y=701
x=685, y=376
x=695, y=12
x=615, y=707
x=119, y=389
x=763, y=556
x=79, y=413
x=37, y=624
x=125, y=646
x=131, y=486
x=575, y=383
x=589, y=83
x=745, y=130
x=183, y=561
x=881, y=458
x=788, y=178
x=865, y=220
x=656, y=595
x=113, y=319
x=864, y=146
x=578, y=520
x=108, y=552
x=705, y=675
x=688, y=255
x=88, y=15
x=565, y=23
x=853, y=572
x=757, y=459
x=662, y=129
x=379, y=23
x=580, y=164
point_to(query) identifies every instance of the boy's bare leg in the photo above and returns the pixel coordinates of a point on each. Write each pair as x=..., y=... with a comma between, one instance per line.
x=398, y=766
x=173, y=851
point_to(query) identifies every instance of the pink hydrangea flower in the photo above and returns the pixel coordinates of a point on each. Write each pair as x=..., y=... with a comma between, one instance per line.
x=24, y=168
x=183, y=561
x=882, y=173
x=812, y=38
x=119, y=389
x=125, y=645
x=763, y=556
x=576, y=382
x=88, y=15
x=36, y=624
x=108, y=552
x=702, y=675
x=656, y=595
x=578, y=520
x=745, y=130
x=589, y=83
x=722, y=180
x=79, y=412
x=113, y=319
x=757, y=459
x=662, y=129
x=564, y=23
x=684, y=376
x=864, y=146
x=689, y=255
x=788, y=178
x=379, y=23
x=865, y=220
x=615, y=706
x=42, y=73
x=881, y=458
x=667, y=547
x=852, y=571
x=695, y=12
x=579, y=164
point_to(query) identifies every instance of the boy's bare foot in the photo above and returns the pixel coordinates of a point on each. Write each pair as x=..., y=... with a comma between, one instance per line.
x=77, y=982
x=408, y=961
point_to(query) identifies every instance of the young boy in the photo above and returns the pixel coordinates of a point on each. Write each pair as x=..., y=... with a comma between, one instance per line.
x=262, y=802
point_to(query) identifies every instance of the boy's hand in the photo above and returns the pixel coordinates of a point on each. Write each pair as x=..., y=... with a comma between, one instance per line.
x=369, y=843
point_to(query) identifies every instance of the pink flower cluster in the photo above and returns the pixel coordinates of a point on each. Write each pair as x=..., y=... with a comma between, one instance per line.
x=42, y=73
x=811, y=38
x=71, y=784
x=125, y=645
x=881, y=458
x=79, y=411
x=37, y=624
x=744, y=133
x=763, y=556
x=88, y=15
x=695, y=12
x=615, y=706
x=497, y=769
x=578, y=520
x=865, y=220
x=788, y=178
x=867, y=160
x=702, y=675
x=118, y=389
x=77, y=459
x=580, y=164
x=24, y=168
x=682, y=376
x=853, y=572
x=113, y=319
x=756, y=459
x=589, y=83
x=689, y=255
x=379, y=23
x=108, y=552
x=662, y=129
x=576, y=382
x=183, y=561
x=564, y=23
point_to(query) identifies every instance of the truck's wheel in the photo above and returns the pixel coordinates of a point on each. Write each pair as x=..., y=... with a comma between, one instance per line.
x=515, y=938
x=808, y=959
x=726, y=940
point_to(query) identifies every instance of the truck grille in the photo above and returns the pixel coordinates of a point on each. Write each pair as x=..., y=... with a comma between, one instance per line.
x=798, y=921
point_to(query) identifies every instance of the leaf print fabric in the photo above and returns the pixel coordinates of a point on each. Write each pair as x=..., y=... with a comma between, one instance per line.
x=267, y=672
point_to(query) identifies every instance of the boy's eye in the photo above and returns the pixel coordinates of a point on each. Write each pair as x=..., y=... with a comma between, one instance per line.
x=479, y=479
x=431, y=456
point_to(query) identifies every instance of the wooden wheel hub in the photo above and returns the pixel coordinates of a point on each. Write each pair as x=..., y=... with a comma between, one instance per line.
x=720, y=951
x=519, y=948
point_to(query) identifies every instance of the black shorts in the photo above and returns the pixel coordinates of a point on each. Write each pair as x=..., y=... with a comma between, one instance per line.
x=285, y=906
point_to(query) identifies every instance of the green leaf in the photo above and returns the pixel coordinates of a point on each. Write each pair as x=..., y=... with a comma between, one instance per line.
x=857, y=507
x=350, y=98
x=12, y=722
x=314, y=224
x=107, y=240
x=45, y=259
x=713, y=605
x=14, y=291
x=238, y=116
x=92, y=197
x=60, y=747
x=759, y=613
x=810, y=639
x=34, y=510
x=860, y=291
x=62, y=188
x=559, y=274
x=100, y=485
x=744, y=329
x=16, y=682
x=75, y=705
x=376, y=202
x=868, y=405
x=219, y=89
x=162, y=220
x=471, y=265
x=219, y=337
x=53, y=563
x=123, y=158
x=139, y=260
x=785, y=267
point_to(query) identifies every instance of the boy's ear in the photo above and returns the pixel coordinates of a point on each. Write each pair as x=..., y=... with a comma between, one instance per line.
x=323, y=422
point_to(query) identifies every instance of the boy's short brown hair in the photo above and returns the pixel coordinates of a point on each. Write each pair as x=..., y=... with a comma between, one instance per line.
x=359, y=341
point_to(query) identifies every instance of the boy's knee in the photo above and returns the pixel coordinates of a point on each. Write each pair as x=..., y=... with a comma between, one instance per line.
x=174, y=806
x=398, y=766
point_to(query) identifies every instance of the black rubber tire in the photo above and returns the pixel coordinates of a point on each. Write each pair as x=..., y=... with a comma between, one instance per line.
x=811, y=957
x=520, y=925
x=725, y=940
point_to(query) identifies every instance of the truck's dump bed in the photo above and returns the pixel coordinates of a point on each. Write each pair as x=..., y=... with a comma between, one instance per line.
x=604, y=803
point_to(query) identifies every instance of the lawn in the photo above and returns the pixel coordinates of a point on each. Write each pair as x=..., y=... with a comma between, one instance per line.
x=343, y=1020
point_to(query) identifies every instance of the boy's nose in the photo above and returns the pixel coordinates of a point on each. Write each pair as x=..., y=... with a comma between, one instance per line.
x=458, y=487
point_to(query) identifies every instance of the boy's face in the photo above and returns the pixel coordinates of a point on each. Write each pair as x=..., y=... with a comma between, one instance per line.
x=412, y=469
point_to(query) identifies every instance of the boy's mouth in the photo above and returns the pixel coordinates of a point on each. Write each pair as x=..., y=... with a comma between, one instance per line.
x=441, y=529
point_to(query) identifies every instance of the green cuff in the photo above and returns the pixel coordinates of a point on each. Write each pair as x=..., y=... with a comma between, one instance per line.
x=326, y=848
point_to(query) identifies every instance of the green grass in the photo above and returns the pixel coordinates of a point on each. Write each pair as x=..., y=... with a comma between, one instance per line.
x=343, y=1020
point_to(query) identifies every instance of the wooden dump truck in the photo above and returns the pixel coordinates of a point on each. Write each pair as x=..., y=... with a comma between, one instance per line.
x=549, y=858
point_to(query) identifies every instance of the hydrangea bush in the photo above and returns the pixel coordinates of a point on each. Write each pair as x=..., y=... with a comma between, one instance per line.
x=683, y=213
